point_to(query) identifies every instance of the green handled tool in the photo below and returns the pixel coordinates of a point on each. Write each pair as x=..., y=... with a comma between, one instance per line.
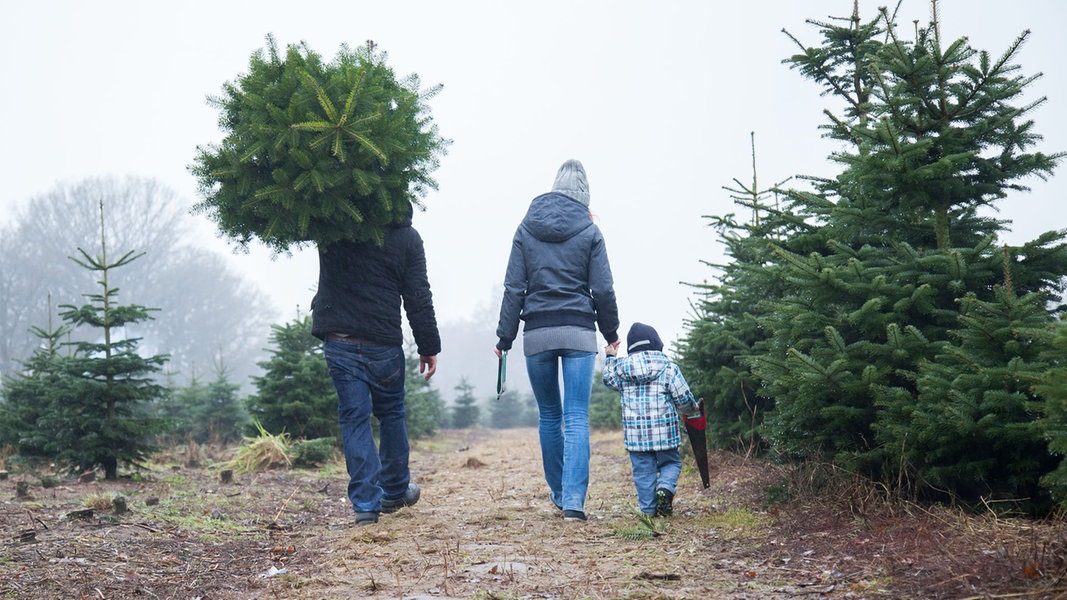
x=501, y=374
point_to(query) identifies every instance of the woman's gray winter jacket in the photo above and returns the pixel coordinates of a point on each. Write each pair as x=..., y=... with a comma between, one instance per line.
x=558, y=272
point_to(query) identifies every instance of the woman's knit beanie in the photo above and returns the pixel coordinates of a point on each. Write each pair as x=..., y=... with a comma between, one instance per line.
x=571, y=181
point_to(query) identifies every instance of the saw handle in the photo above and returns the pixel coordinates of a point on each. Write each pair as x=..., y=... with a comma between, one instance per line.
x=699, y=422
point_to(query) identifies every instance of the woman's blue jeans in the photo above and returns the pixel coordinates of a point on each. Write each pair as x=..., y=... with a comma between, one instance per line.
x=370, y=380
x=653, y=470
x=563, y=423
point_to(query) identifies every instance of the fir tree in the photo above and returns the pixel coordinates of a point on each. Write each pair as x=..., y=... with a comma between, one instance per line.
x=295, y=393
x=1053, y=423
x=209, y=412
x=102, y=416
x=28, y=394
x=840, y=299
x=604, y=408
x=223, y=414
x=318, y=151
x=424, y=410
x=932, y=136
x=512, y=410
x=465, y=412
x=973, y=427
x=725, y=326
x=182, y=410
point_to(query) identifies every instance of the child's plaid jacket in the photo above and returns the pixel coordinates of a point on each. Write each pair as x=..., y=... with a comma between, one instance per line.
x=653, y=393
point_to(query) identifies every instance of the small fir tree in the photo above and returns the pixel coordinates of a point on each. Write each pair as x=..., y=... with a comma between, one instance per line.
x=424, y=410
x=604, y=408
x=182, y=411
x=223, y=414
x=465, y=412
x=209, y=412
x=104, y=417
x=295, y=394
x=724, y=326
x=512, y=410
x=28, y=394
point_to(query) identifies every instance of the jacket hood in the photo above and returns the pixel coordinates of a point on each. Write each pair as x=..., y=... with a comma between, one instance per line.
x=404, y=221
x=643, y=367
x=555, y=217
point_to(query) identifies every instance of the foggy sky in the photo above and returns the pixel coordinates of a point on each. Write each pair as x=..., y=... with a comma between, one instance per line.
x=656, y=99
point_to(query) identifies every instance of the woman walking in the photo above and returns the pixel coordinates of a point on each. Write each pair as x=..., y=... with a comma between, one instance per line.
x=559, y=283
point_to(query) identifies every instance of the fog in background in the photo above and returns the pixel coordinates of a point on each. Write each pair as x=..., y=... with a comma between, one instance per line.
x=658, y=101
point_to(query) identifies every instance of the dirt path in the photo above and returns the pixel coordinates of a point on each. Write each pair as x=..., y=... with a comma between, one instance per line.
x=485, y=529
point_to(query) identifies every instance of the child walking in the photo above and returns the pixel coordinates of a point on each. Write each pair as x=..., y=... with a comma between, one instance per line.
x=653, y=393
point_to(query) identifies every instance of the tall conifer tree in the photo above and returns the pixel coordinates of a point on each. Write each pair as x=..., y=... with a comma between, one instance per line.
x=870, y=289
x=725, y=322
x=105, y=419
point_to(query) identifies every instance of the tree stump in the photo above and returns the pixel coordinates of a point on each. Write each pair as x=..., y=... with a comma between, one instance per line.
x=22, y=490
x=226, y=476
x=3, y=475
x=120, y=505
x=87, y=477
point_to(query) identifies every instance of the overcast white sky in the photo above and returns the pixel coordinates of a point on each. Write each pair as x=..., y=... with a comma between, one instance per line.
x=657, y=99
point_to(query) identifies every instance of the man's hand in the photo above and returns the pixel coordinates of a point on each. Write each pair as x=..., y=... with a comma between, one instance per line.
x=611, y=350
x=427, y=366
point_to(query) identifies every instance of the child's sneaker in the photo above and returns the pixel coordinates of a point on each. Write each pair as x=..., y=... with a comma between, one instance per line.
x=664, y=502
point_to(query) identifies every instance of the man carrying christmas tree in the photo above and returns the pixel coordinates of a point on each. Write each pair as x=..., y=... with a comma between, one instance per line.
x=356, y=312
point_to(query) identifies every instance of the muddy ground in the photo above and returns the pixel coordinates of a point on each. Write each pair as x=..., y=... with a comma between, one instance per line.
x=486, y=529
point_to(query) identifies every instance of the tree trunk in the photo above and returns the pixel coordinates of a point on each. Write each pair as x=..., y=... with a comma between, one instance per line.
x=944, y=239
x=111, y=468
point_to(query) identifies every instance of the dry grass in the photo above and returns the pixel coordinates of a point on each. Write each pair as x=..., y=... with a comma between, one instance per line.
x=261, y=453
x=486, y=529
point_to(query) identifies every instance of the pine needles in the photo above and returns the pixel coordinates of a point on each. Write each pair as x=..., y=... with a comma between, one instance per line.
x=645, y=528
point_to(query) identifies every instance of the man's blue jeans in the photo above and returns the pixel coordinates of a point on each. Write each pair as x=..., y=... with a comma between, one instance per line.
x=563, y=423
x=653, y=470
x=370, y=380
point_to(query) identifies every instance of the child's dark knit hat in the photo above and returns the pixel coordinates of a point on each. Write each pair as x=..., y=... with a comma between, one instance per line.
x=641, y=338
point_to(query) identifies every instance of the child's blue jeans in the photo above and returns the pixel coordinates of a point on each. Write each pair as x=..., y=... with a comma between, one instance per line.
x=653, y=470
